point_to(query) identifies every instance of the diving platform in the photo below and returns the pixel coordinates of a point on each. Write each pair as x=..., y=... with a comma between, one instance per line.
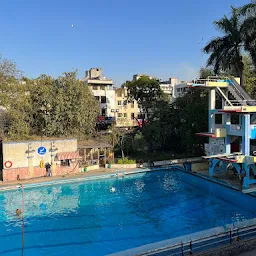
x=230, y=130
x=219, y=133
x=206, y=134
x=249, y=190
x=222, y=155
x=210, y=82
x=238, y=109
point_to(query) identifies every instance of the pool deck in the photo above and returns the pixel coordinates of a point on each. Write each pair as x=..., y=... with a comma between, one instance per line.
x=97, y=172
x=230, y=178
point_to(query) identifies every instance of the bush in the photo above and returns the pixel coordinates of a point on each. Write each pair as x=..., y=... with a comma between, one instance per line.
x=125, y=161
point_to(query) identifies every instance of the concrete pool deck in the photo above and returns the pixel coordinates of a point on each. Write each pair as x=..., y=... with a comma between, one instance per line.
x=97, y=172
x=231, y=179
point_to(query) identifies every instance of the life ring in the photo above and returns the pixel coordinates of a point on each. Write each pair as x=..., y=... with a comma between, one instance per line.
x=8, y=164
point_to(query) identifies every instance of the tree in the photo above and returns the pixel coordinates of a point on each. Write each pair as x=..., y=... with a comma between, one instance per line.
x=15, y=102
x=119, y=137
x=192, y=109
x=147, y=92
x=226, y=51
x=9, y=69
x=205, y=72
x=173, y=126
x=63, y=106
x=248, y=28
x=249, y=74
x=45, y=106
x=161, y=132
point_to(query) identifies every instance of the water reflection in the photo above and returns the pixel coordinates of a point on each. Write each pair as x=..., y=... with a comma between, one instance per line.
x=40, y=201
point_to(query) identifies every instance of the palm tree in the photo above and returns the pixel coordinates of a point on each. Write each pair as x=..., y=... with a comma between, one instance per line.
x=249, y=28
x=225, y=51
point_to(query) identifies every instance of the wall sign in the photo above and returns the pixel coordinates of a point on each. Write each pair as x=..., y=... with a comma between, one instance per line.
x=41, y=151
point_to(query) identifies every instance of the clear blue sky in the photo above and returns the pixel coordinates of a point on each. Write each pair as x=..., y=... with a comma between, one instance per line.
x=161, y=38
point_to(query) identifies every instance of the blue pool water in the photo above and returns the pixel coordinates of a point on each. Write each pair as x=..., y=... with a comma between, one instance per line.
x=88, y=219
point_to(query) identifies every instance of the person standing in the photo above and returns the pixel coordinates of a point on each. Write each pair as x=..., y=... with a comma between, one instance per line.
x=48, y=170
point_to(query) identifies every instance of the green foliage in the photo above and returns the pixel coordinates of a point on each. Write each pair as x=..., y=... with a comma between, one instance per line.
x=226, y=51
x=63, y=106
x=205, y=72
x=125, y=161
x=15, y=102
x=173, y=126
x=248, y=27
x=45, y=106
x=146, y=92
x=139, y=143
x=119, y=137
x=249, y=76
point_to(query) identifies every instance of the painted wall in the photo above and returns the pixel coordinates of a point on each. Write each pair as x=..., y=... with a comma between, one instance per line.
x=16, y=151
x=123, y=116
x=27, y=165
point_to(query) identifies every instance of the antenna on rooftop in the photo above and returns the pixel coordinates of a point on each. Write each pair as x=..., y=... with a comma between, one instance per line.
x=202, y=53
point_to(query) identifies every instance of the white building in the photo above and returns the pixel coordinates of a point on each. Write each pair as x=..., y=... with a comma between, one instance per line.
x=174, y=88
x=102, y=89
x=179, y=90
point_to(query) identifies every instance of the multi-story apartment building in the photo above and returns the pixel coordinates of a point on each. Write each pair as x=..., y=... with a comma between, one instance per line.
x=126, y=113
x=179, y=90
x=138, y=76
x=102, y=89
x=173, y=88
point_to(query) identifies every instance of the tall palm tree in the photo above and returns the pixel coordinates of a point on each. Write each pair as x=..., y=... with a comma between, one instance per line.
x=249, y=28
x=225, y=51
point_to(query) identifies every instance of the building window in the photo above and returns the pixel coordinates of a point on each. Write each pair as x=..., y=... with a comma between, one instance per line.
x=97, y=98
x=95, y=87
x=132, y=104
x=132, y=116
x=65, y=162
x=119, y=103
x=125, y=115
x=103, y=111
x=102, y=87
x=103, y=99
x=119, y=114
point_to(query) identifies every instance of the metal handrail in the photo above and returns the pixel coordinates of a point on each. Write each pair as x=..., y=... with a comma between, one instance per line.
x=209, y=240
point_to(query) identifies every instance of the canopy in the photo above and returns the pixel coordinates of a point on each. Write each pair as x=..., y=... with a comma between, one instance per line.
x=68, y=155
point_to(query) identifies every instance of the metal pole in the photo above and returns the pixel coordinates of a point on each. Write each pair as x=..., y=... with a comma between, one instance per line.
x=190, y=247
x=22, y=252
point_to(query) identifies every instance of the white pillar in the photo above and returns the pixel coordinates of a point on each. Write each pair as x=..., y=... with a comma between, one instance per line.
x=212, y=106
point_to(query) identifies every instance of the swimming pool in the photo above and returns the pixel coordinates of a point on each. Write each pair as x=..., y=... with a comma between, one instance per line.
x=86, y=218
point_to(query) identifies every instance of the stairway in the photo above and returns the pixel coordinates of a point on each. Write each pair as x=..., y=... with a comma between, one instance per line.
x=241, y=97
